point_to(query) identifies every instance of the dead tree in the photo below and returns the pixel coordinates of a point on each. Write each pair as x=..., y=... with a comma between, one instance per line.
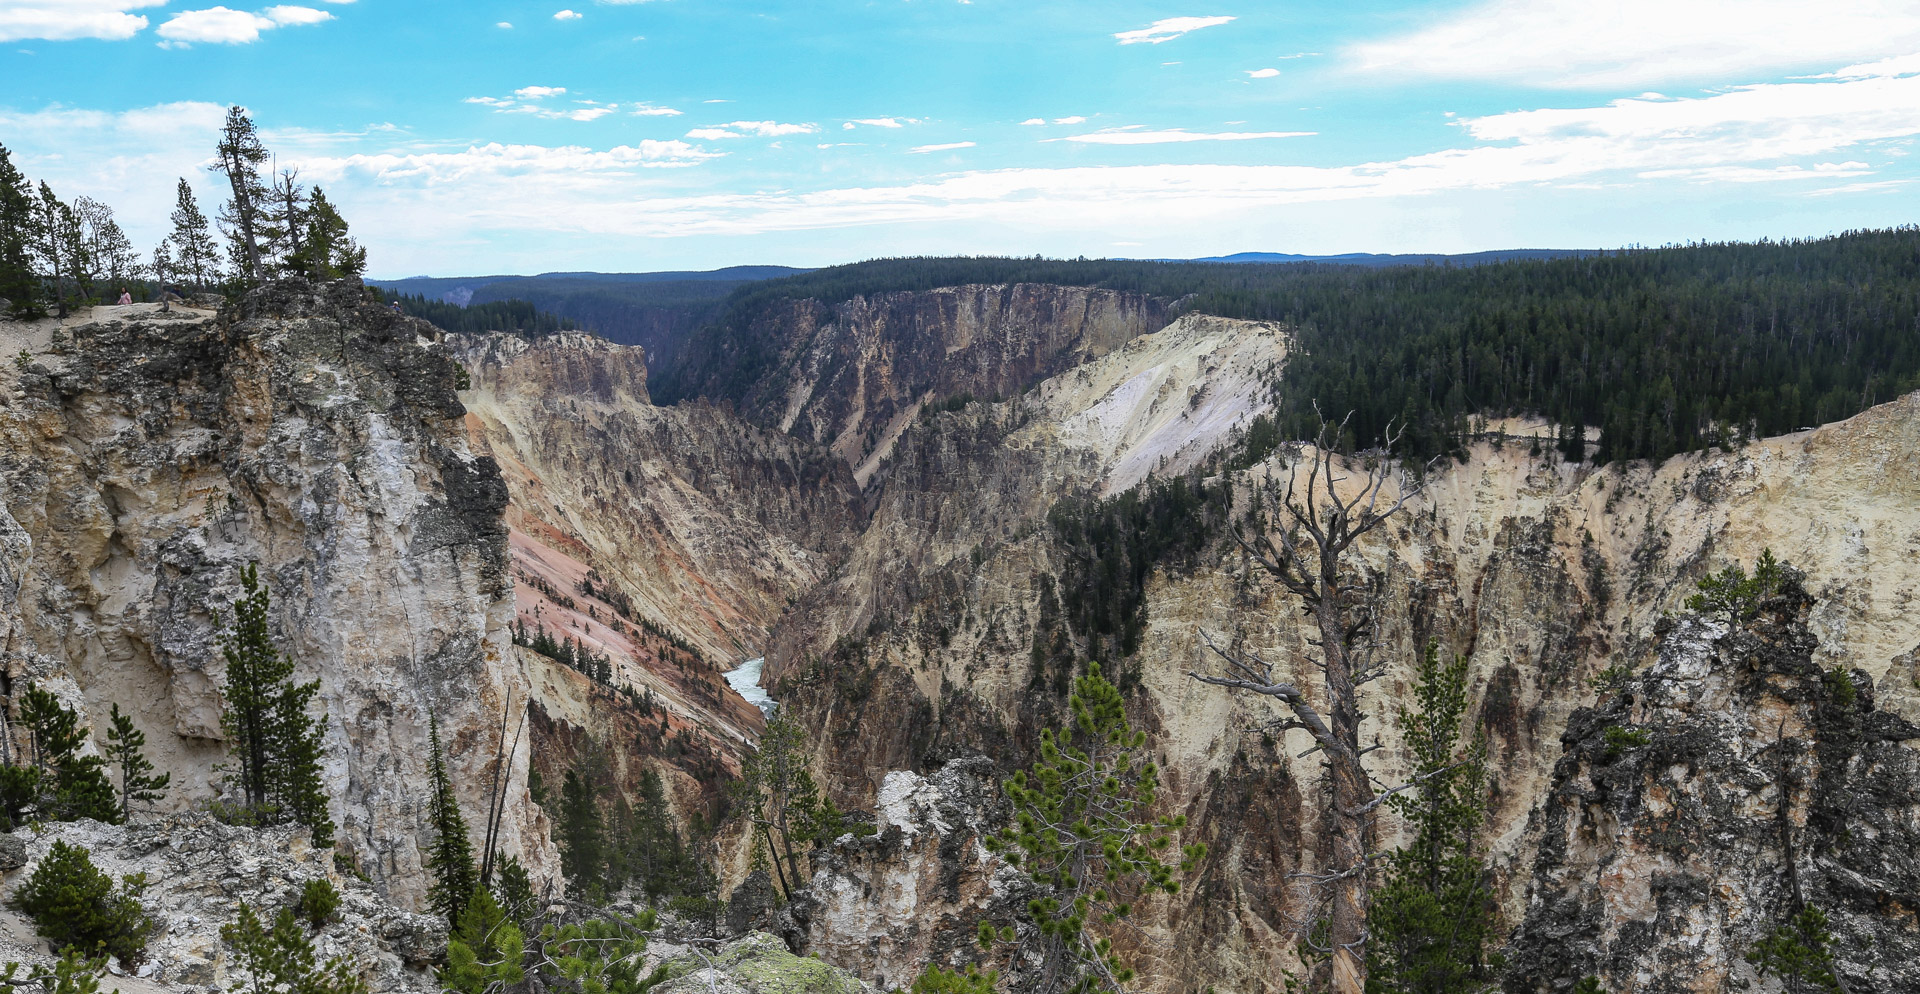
x=1299, y=535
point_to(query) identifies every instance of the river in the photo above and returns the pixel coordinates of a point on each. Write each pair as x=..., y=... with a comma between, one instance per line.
x=745, y=681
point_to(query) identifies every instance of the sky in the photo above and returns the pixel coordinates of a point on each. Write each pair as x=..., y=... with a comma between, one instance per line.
x=494, y=136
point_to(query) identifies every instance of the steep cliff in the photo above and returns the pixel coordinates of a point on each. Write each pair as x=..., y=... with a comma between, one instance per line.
x=853, y=376
x=1730, y=783
x=148, y=457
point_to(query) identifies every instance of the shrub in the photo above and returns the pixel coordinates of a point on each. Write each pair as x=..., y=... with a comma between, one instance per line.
x=319, y=902
x=936, y=979
x=1620, y=738
x=73, y=974
x=279, y=959
x=74, y=906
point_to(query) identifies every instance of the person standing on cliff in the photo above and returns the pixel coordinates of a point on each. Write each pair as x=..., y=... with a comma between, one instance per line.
x=125, y=297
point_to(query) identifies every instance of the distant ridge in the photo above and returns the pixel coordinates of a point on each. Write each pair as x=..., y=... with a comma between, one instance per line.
x=1411, y=259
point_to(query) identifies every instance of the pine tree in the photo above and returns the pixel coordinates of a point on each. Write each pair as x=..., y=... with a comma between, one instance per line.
x=450, y=855
x=1431, y=927
x=75, y=906
x=582, y=834
x=70, y=785
x=137, y=782
x=514, y=889
x=276, y=745
x=57, y=246
x=1083, y=835
x=196, y=259
x=240, y=155
x=280, y=958
x=18, y=233
x=1798, y=953
x=487, y=950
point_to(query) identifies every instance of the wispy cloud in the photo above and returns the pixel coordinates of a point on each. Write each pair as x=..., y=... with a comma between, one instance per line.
x=1573, y=43
x=533, y=100
x=1032, y=121
x=568, y=15
x=944, y=147
x=878, y=122
x=1135, y=135
x=1262, y=73
x=751, y=129
x=1167, y=29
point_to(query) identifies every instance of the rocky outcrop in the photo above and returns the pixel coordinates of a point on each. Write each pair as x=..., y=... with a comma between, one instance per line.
x=1730, y=783
x=312, y=431
x=916, y=890
x=198, y=873
x=759, y=963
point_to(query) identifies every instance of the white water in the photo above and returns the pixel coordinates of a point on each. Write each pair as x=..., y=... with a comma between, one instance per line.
x=745, y=681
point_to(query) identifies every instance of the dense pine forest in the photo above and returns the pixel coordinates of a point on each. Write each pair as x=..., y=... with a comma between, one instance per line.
x=504, y=315
x=1665, y=350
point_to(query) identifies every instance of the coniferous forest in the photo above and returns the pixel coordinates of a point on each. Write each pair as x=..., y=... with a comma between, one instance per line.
x=1664, y=350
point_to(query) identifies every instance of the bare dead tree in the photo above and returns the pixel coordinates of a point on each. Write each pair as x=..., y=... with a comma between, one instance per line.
x=1299, y=534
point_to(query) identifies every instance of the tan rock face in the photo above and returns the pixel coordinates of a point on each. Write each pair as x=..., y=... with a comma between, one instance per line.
x=317, y=434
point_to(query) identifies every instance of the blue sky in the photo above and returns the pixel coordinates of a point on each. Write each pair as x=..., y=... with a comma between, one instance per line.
x=494, y=136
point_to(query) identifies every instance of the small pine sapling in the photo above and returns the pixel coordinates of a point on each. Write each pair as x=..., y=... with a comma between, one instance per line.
x=138, y=784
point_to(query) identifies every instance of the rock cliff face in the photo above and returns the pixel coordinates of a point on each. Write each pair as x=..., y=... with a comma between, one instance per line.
x=317, y=434
x=853, y=376
x=1697, y=809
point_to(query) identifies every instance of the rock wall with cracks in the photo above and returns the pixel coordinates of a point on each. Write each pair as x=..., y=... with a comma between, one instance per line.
x=310, y=430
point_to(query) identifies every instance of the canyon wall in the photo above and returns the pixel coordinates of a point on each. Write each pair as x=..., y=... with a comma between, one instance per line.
x=309, y=430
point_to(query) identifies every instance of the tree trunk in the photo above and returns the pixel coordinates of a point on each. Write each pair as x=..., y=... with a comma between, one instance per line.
x=1352, y=792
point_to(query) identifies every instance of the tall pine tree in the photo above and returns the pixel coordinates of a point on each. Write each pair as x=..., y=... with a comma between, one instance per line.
x=450, y=855
x=240, y=156
x=18, y=286
x=1431, y=923
x=70, y=785
x=137, y=782
x=582, y=834
x=276, y=745
x=195, y=257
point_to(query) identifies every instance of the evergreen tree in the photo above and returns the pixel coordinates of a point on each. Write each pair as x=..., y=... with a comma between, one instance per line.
x=582, y=835
x=658, y=854
x=240, y=156
x=196, y=259
x=1798, y=953
x=450, y=855
x=70, y=785
x=58, y=247
x=18, y=234
x=108, y=250
x=1431, y=927
x=280, y=958
x=285, y=216
x=276, y=745
x=486, y=952
x=776, y=792
x=514, y=889
x=1083, y=834
x=137, y=782
x=75, y=906
x=162, y=268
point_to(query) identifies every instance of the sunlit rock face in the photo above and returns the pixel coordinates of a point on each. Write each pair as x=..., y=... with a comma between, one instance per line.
x=316, y=433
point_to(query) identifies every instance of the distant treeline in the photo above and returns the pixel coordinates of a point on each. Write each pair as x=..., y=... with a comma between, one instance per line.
x=1666, y=350
x=516, y=316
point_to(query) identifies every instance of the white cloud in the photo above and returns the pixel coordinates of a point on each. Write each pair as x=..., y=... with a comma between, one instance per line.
x=216, y=25
x=1134, y=136
x=292, y=16
x=539, y=92
x=1167, y=29
x=649, y=110
x=1262, y=73
x=226, y=26
x=1033, y=121
x=503, y=24
x=879, y=122
x=568, y=15
x=752, y=129
x=1576, y=43
x=66, y=20
x=529, y=100
x=949, y=146
x=1075, y=119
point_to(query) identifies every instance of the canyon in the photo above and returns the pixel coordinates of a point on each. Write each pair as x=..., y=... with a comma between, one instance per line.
x=881, y=498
